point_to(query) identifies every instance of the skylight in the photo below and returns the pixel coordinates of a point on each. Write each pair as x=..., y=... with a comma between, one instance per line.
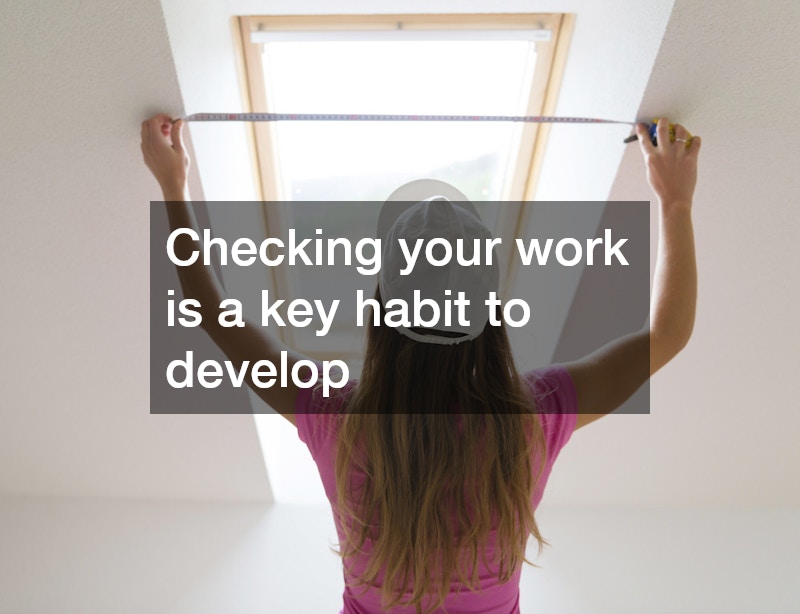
x=385, y=64
x=468, y=65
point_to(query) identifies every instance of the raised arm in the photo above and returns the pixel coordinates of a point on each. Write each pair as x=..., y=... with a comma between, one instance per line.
x=672, y=172
x=165, y=156
x=608, y=377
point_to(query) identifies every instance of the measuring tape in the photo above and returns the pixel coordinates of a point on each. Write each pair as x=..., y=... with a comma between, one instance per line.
x=367, y=117
x=361, y=117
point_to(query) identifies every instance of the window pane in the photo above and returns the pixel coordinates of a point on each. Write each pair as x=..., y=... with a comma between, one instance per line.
x=366, y=161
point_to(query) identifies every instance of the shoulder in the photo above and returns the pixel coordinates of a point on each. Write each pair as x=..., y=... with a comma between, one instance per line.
x=318, y=417
x=556, y=403
x=553, y=390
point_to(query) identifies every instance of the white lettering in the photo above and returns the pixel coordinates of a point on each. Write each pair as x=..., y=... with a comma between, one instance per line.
x=411, y=258
x=210, y=373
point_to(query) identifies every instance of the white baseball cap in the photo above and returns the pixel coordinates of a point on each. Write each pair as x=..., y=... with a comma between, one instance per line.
x=431, y=209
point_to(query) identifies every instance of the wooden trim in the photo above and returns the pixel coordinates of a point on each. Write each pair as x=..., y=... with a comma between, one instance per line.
x=244, y=92
x=560, y=47
x=263, y=131
x=551, y=89
x=302, y=23
x=264, y=138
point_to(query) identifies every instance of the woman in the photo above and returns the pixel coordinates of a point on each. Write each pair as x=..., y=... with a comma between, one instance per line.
x=435, y=460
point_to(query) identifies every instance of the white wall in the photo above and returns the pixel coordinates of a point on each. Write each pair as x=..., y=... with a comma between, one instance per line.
x=78, y=77
x=97, y=556
x=724, y=414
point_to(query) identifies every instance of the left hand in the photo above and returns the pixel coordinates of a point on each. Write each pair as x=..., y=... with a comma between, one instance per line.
x=164, y=155
x=672, y=164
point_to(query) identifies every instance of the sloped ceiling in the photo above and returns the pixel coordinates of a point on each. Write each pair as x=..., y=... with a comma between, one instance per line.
x=77, y=80
x=79, y=77
x=725, y=414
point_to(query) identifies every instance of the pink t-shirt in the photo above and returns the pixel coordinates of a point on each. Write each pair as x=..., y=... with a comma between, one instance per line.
x=317, y=423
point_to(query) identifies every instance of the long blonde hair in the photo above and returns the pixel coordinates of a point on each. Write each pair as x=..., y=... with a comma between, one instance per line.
x=445, y=435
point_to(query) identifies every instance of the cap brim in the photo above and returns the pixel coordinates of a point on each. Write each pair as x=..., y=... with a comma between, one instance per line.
x=413, y=192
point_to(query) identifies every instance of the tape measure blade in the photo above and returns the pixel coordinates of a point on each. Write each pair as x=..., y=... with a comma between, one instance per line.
x=268, y=117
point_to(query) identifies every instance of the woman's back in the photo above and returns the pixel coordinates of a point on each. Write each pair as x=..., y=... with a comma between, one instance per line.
x=319, y=424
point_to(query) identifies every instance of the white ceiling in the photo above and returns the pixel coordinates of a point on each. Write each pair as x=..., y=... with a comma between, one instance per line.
x=74, y=416
x=726, y=413
x=77, y=81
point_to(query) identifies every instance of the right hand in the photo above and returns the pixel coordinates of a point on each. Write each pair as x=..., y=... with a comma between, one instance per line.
x=671, y=166
x=164, y=155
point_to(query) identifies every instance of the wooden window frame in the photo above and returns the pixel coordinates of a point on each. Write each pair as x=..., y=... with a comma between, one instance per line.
x=550, y=61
